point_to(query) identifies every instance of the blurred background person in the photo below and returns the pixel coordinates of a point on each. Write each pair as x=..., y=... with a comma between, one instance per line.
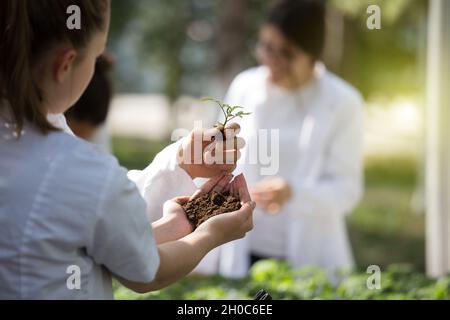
x=302, y=209
x=87, y=118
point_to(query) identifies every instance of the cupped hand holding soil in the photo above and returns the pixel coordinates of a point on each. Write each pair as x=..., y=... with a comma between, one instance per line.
x=219, y=195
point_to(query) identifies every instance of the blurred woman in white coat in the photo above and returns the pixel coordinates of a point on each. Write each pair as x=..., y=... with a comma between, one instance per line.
x=302, y=209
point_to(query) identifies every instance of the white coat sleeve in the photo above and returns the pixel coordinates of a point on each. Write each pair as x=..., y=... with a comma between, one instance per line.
x=162, y=180
x=121, y=237
x=339, y=186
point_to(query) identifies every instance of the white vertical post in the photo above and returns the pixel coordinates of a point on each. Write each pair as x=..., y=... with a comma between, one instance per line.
x=438, y=140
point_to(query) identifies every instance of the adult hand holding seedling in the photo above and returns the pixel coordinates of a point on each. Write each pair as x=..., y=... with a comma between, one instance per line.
x=203, y=155
x=229, y=112
x=208, y=152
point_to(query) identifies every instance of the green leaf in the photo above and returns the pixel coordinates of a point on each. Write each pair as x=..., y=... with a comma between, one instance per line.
x=228, y=111
x=209, y=99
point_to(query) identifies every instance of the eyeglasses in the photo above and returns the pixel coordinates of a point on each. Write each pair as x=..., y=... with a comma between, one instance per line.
x=263, y=50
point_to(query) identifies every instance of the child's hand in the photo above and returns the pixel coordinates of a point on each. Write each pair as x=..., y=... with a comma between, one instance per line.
x=174, y=224
x=178, y=258
x=230, y=226
x=200, y=156
x=173, y=212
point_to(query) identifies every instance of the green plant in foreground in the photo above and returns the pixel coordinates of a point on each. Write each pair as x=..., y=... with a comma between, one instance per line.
x=228, y=111
x=398, y=281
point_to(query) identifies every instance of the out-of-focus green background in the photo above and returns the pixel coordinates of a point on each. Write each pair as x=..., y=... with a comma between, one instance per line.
x=193, y=48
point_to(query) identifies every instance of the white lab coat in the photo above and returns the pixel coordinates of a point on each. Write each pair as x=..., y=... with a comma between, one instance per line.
x=162, y=180
x=52, y=217
x=321, y=130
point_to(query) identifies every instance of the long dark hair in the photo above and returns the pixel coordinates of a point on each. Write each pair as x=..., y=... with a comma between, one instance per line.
x=27, y=29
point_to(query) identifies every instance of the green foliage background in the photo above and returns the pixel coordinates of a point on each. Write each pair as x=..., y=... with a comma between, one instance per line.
x=398, y=282
x=161, y=57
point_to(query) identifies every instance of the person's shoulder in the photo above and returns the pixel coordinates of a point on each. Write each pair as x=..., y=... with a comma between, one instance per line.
x=251, y=75
x=341, y=91
x=85, y=162
x=245, y=84
x=76, y=149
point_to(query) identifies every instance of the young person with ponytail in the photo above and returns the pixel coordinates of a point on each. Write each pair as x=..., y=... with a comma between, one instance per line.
x=70, y=219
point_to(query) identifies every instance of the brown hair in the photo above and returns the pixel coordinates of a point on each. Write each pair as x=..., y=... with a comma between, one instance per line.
x=27, y=29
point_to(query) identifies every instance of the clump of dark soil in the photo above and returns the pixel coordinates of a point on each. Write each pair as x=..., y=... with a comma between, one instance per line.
x=209, y=205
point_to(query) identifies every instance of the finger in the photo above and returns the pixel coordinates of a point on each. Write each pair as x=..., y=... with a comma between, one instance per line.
x=207, y=186
x=248, y=223
x=259, y=200
x=259, y=187
x=262, y=204
x=182, y=200
x=240, y=143
x=246, y=211
x=227, y=188
x=196, y=134
x=212, y=134
x=273, y=208
x=232, y=130
x=222, y=168
x=231, y=144
x=219, y=182
x=267, y=196
x=241, y=188
x=255, y=197
x=222, y=157
x=210, y=155
x=232, y=156
x=223, y=183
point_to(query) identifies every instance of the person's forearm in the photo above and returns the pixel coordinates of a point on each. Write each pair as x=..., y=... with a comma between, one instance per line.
x=177, y=259
x=162, y=230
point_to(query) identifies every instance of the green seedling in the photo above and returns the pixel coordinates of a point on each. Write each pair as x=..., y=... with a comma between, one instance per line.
x=228, y=111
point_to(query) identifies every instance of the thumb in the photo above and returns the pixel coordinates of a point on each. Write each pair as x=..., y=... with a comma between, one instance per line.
x=251, y=204
x=248, y=207
x=247, y=210
x=182, y=200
